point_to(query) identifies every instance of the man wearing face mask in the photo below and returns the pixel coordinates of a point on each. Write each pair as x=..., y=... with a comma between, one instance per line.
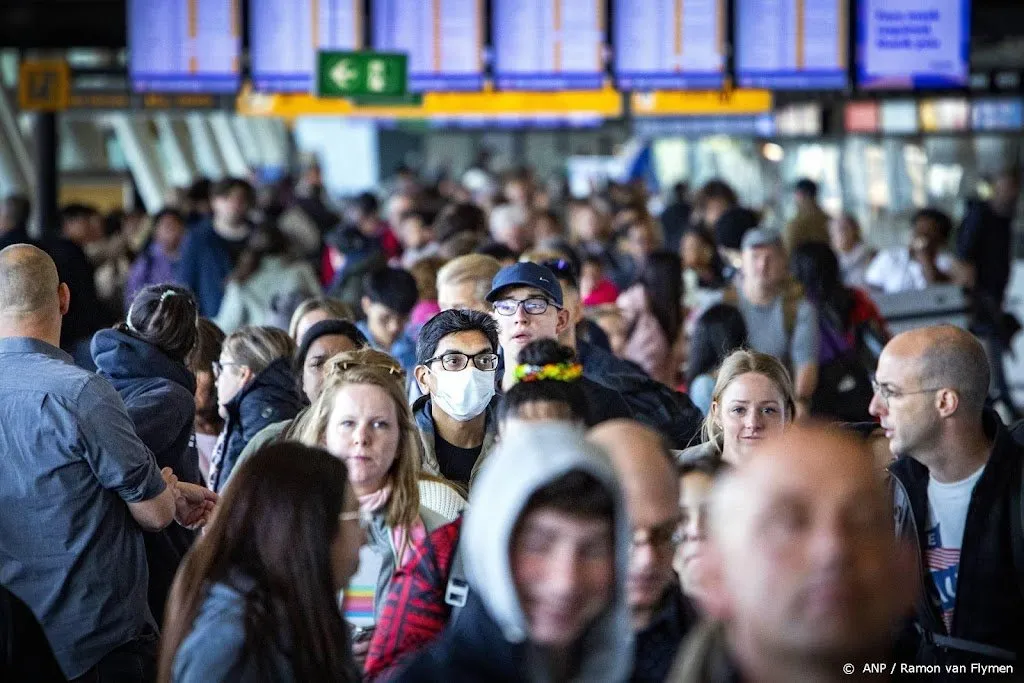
x=456, y=364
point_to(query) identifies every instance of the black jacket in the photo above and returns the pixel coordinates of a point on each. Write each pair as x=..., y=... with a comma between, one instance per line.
x=272, y=396
x=989, y=605
x=670, y=412
x=159, y=394
x=25, y=653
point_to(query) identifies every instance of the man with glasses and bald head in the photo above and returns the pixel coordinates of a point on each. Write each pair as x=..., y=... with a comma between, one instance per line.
x=957, y=489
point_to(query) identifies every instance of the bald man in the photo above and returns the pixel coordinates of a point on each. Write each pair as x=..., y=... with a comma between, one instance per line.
x=957, y=484
x=78, y=487
x=661, y=614
x=808, y=576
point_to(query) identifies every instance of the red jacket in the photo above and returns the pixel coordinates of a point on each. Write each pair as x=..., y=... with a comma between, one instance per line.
x=414, y=611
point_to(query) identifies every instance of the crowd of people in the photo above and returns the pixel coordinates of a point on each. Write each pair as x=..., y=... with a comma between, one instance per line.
x=465, y=432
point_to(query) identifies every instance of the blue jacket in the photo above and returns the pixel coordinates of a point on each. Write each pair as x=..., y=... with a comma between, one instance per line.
x=159, y=394
x=272, y=396
x=205, y=264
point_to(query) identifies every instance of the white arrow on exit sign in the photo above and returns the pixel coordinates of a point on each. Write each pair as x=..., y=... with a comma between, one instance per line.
x=344, y=74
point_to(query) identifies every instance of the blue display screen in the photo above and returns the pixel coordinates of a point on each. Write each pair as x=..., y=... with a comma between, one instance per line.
x=285, y=35
x=667, y=44
x=549, y=44
x=792, y=44
x=909, y=44
x=184, y=46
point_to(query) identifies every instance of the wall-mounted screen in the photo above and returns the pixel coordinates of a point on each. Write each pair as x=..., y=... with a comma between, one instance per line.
x=792, y=44
x=899, y=117
x=945, y=115
x=549, y=44
x=997, y=114
x=443, y=38
x=184, y=45
x=285, y=35
x=905, y=44
x=861, y=117
x=668, y=44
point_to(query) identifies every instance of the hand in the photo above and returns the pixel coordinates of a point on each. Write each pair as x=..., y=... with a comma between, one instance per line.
x=360, y=648
x=193, y=505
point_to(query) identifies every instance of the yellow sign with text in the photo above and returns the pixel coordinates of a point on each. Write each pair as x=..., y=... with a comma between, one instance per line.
x=700, y=103
x=44, y=85
x=605, y=103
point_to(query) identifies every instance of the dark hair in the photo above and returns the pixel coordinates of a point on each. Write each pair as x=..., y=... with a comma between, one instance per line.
x=209, y=340
x=711, y=465
x=274, y=527
x=808, y=187
x=367, y=203
x=545, y=352
x=426, y=217
x=816, y=268
x=708, y=238
x=165, y=213
x=460, y=218
x=222, y=188
x=453, y=321
x=326, y=328
x=941, y=219
x=717, y=188
x=20, y=206
x=662, y=279
x=76, y=211
x=266, y=240
x=577, y=494
x=498, y=250
x=719, y=331
x=392, y=287
x=166, y=317
x=199, y=191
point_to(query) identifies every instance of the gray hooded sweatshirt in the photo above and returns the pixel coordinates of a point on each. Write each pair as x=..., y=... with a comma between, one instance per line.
x=529, y=457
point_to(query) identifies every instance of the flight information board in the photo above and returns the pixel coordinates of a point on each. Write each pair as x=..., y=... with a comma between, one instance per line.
x=285, y=35
x=443, y=38
x=184, y=45
x=669, y=44
x=910, y=44
x=549, y=44
x=791, y=44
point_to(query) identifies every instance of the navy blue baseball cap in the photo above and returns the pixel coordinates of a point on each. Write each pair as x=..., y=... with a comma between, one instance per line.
x=526, y=275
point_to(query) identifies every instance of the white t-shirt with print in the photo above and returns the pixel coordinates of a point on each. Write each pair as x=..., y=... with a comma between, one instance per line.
x=947, y=516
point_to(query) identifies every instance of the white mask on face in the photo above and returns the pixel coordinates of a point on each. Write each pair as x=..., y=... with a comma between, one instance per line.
x=464, y=394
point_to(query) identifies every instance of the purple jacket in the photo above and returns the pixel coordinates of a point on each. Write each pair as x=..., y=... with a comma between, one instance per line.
x=152, y=267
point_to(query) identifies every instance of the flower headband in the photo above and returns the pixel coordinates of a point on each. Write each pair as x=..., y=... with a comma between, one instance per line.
x=558, y=372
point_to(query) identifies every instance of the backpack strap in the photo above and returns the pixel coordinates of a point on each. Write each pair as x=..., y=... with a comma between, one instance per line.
x=457, y=590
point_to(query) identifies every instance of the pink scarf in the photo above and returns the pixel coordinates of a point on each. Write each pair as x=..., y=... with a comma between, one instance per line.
x=372, y=502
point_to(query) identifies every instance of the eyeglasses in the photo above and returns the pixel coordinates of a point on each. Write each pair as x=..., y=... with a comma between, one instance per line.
x=661, y=537
x=535, y=305
x=454, y=361
x=887, y=393
x=364, y=517
x=218, y=367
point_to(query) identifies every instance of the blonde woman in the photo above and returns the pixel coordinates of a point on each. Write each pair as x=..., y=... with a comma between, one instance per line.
x=753, y=398
x=361, y=417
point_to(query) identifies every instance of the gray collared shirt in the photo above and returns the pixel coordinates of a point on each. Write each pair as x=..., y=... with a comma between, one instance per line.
x=69, y=463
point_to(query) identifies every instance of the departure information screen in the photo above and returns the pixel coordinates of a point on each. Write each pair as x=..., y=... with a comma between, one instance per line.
x=669, y=44
x=443, y=38
x=791, y=44
x=907, y=44
x=285, y=35
x=549, y=44
x=184, y=45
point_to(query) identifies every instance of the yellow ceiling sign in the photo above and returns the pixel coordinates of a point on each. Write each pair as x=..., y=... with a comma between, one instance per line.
x=703, y=103
x=43, y=85
x=605, y=103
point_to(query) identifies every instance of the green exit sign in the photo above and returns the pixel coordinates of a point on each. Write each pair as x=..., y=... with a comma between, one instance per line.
x=348, y=74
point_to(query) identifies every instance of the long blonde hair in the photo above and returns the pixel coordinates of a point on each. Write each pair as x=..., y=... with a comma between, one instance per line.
x=741, y=362
x=374, y=368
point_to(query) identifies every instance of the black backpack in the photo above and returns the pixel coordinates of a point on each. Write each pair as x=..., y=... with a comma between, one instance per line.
x=670, y=412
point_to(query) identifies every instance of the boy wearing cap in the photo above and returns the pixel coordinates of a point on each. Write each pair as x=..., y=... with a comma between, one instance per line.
x=528, y=306
x=780, y=321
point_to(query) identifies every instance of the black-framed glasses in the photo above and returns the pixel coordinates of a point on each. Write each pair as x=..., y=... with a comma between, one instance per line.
x=535, y=305
x=218, y=367
x=887, y=393
x=454, y=361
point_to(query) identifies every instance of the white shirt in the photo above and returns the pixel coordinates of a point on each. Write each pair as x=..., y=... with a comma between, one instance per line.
x=893, y=270
x=854, y=265
x=947, y=516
